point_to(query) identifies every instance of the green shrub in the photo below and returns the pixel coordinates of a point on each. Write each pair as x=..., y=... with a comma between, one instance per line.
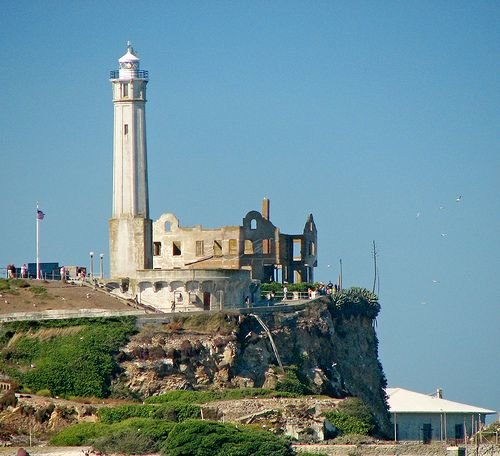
x=86, y=433
x=126, y=441
x=209, y=438
x=158, y=430
x=355, y=407
x=293, y=383
x=80, y=434
x=44, y=393
x=355, y=301
x=347, y=424
x=201, y=397
x=173, y=411
x=68, y=363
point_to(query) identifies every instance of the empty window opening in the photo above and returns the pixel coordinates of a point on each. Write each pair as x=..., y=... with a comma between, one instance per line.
x=156, y=248
x=257, y=247
x=312, y=248
x=267, y=246
x=297, y=276
x=297, y=248
x=253, y=224
x=176, y=248
x=125, y=129
x=168, y=226
x=233, y=247
x=218, y=248
x=200, y=248
x=248, y=247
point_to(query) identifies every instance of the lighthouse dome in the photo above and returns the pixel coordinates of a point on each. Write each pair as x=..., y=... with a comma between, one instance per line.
x=129, y=63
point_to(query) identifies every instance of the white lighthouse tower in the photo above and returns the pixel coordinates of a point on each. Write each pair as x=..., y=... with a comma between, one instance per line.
x=130, y=228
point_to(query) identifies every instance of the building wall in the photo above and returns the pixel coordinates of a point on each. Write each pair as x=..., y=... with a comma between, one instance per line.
x=410, y=426
x=190, y=290
x=257, y=245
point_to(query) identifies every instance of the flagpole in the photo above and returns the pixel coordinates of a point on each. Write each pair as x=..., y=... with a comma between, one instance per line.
x=37, y=244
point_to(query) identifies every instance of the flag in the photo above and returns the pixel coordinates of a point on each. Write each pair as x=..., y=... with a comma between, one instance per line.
x=39, y=214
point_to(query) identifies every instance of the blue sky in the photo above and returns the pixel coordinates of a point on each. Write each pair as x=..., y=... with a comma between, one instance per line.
x=373, y=116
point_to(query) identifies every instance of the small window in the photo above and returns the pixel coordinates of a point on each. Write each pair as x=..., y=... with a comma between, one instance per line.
x=176, y=248
x=312, y=248
x=248, y=247
x=253, y=224
x=218, y=248
x=168, y=226
x=125, y=129
x=125, y=90
x=233, y=247
x=200, y=248
x=156, y=248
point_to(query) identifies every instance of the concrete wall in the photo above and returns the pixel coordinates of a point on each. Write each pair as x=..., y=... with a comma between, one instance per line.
x=190, y=290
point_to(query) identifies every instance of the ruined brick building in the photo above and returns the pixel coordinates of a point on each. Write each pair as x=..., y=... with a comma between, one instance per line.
x=256, y=245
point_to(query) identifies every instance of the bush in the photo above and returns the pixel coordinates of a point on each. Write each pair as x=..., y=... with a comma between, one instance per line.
x=76, y=361
x=292, y=383
x=347, y=424
x=80, y=434
x=126, y=441
x=355, y=301
x=173, y=411
x=356, y=408
x=204, y=438
x=201, y=397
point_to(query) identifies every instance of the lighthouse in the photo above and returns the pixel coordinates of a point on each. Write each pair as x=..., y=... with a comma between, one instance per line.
x=130, y=228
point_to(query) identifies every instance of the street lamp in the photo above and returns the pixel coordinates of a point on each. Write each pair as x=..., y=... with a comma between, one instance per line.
x=101, y=269
x=91, y=254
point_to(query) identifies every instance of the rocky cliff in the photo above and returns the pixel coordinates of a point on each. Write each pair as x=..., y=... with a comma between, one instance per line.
x=333, y=353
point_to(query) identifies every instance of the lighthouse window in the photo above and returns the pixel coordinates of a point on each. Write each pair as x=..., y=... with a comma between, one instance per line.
x=124, y=90
x=125, y=129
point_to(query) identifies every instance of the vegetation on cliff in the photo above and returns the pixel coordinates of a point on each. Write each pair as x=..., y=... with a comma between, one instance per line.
x=66, y=357
x=355, y=301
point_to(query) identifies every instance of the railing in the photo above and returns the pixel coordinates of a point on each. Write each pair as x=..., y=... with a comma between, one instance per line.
x=290, y=296
x=139, y=74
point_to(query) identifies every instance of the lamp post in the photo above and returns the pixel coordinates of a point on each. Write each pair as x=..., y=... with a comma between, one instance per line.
x=101, y=268
x=91, y=254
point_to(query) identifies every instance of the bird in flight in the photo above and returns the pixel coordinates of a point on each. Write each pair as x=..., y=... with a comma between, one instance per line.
x=459, y=198
x=444, y=234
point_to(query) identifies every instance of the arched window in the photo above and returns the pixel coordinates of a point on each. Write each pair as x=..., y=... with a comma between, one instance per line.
x=253, y=224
